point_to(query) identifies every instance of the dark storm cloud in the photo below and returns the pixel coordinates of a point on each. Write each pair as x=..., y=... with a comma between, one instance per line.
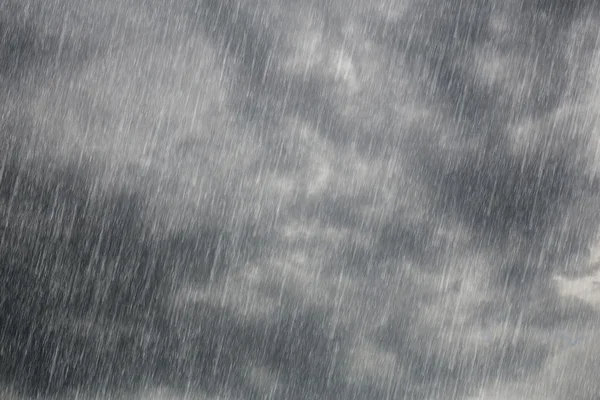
x=17, y=49
x=479, y=177
x=565, y=12
x=87, y=299
x=28, y=50
x=83, y=278
x=496, y=192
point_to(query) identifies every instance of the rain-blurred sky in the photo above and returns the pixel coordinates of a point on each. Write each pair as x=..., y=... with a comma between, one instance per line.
x=252, y=199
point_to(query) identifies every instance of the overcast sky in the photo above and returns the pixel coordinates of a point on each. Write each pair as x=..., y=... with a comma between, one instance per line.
x=254, y=199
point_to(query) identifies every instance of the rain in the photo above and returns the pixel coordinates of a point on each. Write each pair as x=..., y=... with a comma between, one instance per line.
x=276, y=199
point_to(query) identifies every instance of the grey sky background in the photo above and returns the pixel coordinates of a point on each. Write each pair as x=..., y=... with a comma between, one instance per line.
x=296, y=200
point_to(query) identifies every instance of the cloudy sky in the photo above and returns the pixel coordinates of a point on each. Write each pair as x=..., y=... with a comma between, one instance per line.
x=252, y=199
